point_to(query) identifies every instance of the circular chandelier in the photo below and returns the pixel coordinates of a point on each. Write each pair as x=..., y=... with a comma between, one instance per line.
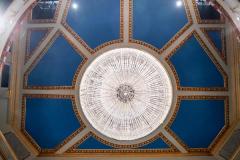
x=125, y=94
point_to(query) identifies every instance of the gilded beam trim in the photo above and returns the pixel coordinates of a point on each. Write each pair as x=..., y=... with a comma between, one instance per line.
x=122, y=148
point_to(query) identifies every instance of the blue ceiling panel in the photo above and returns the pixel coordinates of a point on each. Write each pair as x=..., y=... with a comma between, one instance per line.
x=95, y=21
x=194, y=67
x=35, y=38
x=50, y=121
x=157, y=21
x=156, y=144
x=44, y=9
x=207, y=12
x=57, y=67
x=5, y=75
x=198, y=122
x=216, y=38
x=93, y=143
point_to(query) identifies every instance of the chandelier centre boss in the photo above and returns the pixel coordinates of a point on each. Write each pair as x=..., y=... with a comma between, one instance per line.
x=125, y=94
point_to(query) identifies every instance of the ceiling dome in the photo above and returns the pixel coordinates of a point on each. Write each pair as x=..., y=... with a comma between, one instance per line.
x=120, y=76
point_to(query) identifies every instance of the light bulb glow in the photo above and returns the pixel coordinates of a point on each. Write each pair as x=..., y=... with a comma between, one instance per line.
x=179, y=3
x=238, y=18
x=75, y=6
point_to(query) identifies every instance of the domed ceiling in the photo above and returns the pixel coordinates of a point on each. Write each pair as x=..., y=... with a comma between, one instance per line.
x=186, y=37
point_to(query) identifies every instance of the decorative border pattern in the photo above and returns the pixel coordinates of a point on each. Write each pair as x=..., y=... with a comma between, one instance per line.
x=45, y=96
x=28, y=55
x=84, y=59
x=222, y=53
x=80, y=40
x=30, y=20
x=217, y=138
x=218, y=66
x=122, y=148
x=170, y=42
x=3, y=156
x=206, y=21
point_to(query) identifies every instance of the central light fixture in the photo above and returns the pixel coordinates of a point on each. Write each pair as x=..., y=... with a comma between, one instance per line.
x=125, y=94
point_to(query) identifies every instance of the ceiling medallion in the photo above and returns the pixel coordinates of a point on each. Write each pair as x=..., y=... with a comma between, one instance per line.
x=125, y=94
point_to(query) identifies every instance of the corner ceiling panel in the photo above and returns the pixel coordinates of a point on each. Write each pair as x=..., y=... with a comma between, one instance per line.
x=95, y=21
x=217, y=38
x=199, y=121
x=92, y=143
x=194, y=67
x=156, y=144
x=34, y=39
x=49, y=120
x=57, y=67
x=156, y=22
x=45, y=10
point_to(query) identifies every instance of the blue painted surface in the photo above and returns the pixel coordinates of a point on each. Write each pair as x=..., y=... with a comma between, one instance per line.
x=194, y=67
x=216, y=38
x=157, y=144
x=57, y=67
x=50, y=121
x=157, y=21
x=207, y=12
x=35, y=39
x=198, y=122
x=95, y=21
x=92, y=143
x=45, y=10
x=5, y=76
